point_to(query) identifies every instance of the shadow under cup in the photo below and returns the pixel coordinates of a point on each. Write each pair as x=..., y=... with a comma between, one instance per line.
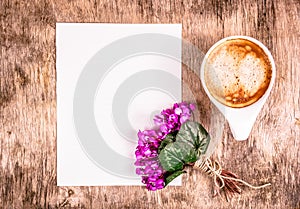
x=237, y=71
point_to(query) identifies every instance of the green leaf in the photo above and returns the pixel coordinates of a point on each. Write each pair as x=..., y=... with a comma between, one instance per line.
x=169, y=158
x=172, y=176
x=170, y=138
x=186, y=147
x=194, y=134
x=175, y=155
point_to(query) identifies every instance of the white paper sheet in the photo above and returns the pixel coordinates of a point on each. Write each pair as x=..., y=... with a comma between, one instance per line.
x=111, y=80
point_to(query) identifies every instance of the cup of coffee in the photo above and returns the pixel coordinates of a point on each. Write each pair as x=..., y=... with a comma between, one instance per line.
x=237, y=74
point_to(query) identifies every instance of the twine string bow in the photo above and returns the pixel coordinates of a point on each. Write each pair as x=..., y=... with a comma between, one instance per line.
x=223, y=179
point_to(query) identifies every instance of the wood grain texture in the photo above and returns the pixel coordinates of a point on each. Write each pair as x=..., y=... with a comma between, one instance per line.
x=28, y=102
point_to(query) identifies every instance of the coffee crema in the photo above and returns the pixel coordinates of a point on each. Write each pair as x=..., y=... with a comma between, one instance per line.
x=237, y=72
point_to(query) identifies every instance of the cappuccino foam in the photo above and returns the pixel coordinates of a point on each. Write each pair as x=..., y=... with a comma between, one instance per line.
x=237, y=72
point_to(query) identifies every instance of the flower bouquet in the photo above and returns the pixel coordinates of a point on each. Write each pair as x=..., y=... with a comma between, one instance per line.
x=176, y=142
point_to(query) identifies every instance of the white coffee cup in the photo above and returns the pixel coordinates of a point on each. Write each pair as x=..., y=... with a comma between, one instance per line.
x=241, y=120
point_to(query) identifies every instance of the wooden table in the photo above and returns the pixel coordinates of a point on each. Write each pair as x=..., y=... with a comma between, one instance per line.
x=28, y=103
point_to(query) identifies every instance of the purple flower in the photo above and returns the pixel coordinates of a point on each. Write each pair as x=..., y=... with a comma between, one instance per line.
x=152, y=173
x=147, y=159
x=146, y=153
x=170, y=120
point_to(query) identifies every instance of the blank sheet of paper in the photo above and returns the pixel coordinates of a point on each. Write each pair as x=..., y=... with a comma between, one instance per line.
x=111, y=80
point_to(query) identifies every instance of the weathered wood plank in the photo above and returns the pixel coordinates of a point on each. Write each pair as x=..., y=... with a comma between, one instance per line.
x=28, y=103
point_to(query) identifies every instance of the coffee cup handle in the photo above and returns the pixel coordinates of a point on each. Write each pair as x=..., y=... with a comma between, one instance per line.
x=241, y=129
x=242, y=120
